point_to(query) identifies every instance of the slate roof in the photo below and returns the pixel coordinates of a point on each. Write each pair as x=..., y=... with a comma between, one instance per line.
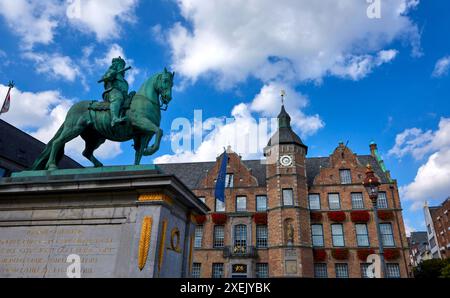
x=22, y=149
x=285, y=135
x=418, y=238
x=192, y=173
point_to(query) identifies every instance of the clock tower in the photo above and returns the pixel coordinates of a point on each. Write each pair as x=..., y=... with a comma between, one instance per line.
x=289, y=245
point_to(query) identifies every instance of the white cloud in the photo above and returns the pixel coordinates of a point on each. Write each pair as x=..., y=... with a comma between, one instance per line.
x=267, y=103
x=239, y=134
x=408, y=227
x=432, y=181
x=102, y=17
x=55, y=65
x=42, y=113
x=36, y=21
x=419, y=143
x=442, y=66
x=358, y=67
x=412, y=141
x=289, y=39
x=242, y=133
x=33, y=21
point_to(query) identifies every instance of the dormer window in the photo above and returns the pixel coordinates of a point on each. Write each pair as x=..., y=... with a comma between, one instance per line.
x=229, y=178
x=346, y=177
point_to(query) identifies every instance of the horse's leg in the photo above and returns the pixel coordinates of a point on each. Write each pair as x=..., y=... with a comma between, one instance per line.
x=148, y=127
x=140, y=143
x=92, y=143
x=58, y=144
x=137, y=149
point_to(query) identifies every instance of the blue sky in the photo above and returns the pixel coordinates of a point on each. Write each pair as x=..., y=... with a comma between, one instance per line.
x=348, y=77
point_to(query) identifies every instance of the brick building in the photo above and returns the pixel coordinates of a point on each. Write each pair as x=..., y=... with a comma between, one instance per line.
x=294, y=216
x=419, y=248
x=438, y=229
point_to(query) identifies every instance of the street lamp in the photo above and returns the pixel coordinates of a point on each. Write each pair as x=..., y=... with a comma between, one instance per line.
x=371, y=183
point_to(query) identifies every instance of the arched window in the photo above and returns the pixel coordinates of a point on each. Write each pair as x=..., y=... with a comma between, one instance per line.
x=240, y=237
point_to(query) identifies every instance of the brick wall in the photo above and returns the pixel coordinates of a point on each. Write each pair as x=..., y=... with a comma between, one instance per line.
x=279, y=255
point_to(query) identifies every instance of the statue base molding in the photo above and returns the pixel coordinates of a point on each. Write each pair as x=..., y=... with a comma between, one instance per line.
x=123, y=221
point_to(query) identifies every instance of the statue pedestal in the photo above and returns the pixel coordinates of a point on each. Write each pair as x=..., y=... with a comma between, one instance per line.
x=117, y=221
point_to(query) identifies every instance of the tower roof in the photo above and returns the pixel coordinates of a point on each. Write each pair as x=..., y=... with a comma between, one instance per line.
x=285, y=134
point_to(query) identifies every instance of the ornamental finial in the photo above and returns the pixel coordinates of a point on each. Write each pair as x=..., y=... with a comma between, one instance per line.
x=283, y=94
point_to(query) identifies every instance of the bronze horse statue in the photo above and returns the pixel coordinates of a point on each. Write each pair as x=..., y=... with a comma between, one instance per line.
x=92, y=121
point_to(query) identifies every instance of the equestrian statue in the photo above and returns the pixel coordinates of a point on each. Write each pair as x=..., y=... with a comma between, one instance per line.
x=121, y=116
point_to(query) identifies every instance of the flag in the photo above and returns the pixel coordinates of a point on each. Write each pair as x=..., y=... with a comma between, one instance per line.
x=220, y=182
x=7, y=102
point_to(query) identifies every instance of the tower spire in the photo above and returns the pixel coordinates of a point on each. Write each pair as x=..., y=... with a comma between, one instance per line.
x=284, y=120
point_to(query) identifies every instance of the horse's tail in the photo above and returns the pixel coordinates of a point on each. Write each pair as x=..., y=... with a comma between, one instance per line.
x=42, y=160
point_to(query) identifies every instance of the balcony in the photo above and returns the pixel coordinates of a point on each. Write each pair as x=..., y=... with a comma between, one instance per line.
x=240, y=252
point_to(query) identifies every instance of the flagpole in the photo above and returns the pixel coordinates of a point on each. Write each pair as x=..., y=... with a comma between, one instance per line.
x=11, y=86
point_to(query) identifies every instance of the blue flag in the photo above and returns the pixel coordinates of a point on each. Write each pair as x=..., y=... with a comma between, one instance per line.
x=220, y=182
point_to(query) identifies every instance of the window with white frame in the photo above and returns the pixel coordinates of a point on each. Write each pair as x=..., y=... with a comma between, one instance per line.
x=198, y=236
x=261, y=236
x=362, y=235
x=382, y=202
x=337, y=233
x=357, y=200
x=262, y=270
x=241, y=204
x=261, y=203
x=341, y=270
x=432, y=242
x=217, y=270
x=219, y=235
x=320, y=270
x=240, y=236
x=387, y=236
x=196, y=268
x=220, y=206
x=346, y=176
x=334, y=201
x=364, y=268
x=314, y=201
x=288, y=197
x=317, y=235
x=393, y=270
x=229, y=183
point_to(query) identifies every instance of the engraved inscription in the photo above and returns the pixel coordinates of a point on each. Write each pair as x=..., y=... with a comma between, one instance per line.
x=43, y=251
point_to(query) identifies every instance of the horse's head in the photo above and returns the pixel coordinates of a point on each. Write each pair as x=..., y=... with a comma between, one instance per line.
x=165, y=84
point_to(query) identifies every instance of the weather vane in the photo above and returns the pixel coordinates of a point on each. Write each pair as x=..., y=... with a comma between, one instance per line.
x=283, y=94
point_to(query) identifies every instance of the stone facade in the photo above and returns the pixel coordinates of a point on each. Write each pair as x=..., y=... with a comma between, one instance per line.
x=439, y=229
x=119, y=221
x=290, y=178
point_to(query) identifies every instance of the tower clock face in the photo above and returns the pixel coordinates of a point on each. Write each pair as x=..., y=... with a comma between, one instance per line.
x=286, y=160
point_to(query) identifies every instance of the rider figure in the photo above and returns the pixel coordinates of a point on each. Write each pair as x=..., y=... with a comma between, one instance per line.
x=116, y=89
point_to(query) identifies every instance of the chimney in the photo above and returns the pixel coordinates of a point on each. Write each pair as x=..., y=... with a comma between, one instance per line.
x=373, y=149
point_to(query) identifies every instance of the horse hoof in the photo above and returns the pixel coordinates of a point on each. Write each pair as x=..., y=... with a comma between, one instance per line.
x=52, y=168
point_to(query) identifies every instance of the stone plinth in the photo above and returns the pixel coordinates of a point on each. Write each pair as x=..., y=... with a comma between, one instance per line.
x=120, y=221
